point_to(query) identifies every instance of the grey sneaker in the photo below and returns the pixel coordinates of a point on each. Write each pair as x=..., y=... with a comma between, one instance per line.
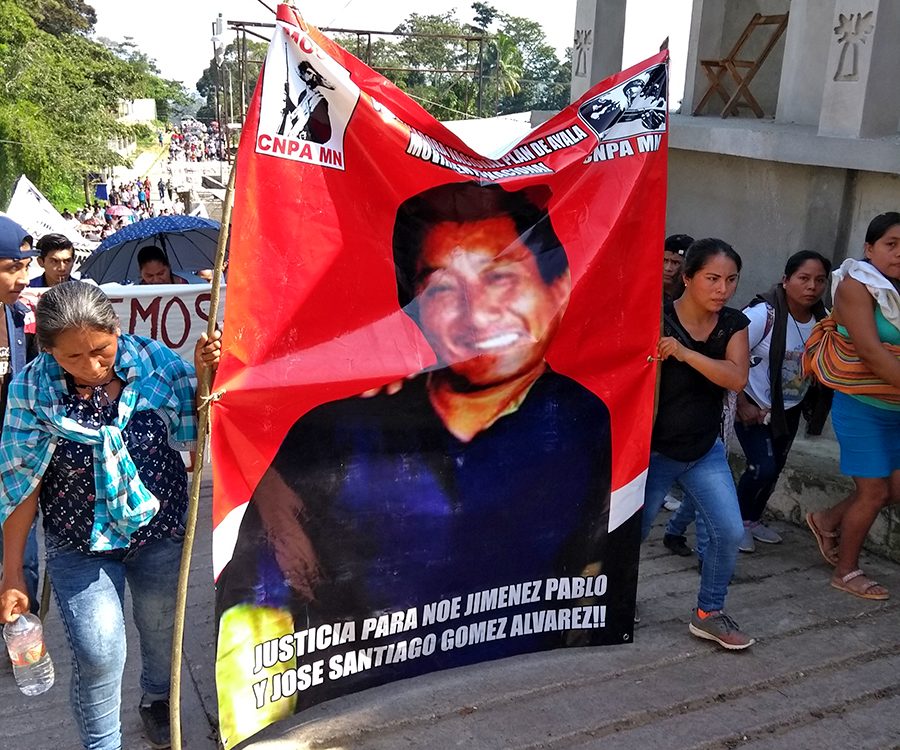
x=747, y=544
x=762, y=533
x=719, y=627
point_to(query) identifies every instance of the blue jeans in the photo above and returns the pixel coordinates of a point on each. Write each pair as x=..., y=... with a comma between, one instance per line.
x=766, y=457
x=30, y=567
x=681, y=519
x=709, y=485
x=90, y=594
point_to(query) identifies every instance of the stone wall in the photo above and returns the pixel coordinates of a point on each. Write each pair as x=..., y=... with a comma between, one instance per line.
x=769, y=210
x=812, y=179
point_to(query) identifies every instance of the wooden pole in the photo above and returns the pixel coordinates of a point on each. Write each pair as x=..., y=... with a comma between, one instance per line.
x=203, y=386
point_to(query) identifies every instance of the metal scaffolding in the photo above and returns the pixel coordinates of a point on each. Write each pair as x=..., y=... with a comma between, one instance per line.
x=471, y=67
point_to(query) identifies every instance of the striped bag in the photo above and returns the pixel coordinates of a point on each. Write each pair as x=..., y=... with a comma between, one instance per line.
x=831, y=357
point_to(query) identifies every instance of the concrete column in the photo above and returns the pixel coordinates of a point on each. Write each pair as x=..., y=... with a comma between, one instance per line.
x=807, y=42
x=860, y=98
x=597, y=47
x=705, y=43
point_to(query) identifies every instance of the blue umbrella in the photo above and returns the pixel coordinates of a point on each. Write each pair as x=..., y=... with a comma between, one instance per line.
x=189, y=241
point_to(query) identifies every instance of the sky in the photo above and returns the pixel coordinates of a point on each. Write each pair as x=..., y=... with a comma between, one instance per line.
x=177, y=34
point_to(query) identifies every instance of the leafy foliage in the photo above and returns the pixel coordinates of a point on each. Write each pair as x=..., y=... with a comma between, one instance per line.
x=60, y=98
x=435, y=65
x=510, y=68
x=499, y=64
x=147, y=80
x=62, y=16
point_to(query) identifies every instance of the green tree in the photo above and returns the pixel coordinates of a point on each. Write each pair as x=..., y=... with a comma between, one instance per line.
x=544, y=79
x=147, y=83
x=60, y=99
x=436, y=61
x=62, y=16
x=518, y=69
x=484, y=15
x=505, y=65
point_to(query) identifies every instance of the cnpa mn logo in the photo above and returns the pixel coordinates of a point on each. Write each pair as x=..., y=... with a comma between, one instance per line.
x=307, y=101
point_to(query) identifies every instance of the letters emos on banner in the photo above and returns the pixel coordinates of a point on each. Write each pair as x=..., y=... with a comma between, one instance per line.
x=176, y=315
x=434, y=434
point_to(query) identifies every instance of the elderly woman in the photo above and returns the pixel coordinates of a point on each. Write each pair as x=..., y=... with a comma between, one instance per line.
x=93, y=431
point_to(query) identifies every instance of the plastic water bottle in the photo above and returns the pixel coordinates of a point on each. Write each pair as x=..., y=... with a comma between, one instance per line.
x=32, y=665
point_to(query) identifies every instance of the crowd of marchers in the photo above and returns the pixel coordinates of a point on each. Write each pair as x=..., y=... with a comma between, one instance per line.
x=129, y=202
x=75, y=389
x=781, y=360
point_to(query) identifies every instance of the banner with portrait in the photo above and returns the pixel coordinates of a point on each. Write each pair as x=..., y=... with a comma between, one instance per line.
x=433, y=427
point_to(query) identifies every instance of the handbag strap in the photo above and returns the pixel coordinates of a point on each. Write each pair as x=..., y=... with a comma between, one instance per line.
x=683, y=336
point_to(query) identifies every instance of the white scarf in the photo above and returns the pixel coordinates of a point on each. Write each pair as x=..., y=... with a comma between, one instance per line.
x=879, y=286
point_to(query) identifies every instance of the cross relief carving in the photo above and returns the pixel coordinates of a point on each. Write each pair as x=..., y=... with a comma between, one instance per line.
x=851, y=31
x=583, y=43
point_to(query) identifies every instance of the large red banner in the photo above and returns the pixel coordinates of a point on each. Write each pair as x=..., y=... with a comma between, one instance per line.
x=437, y=386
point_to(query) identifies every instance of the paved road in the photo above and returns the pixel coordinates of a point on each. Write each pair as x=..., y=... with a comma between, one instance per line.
x=154, y=163
x=825, y=674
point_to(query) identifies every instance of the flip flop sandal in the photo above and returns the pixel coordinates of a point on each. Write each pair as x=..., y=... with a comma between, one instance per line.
x=863, y=593
x=821, y=535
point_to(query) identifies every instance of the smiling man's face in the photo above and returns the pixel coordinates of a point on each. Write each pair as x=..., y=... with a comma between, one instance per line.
x=482, y=303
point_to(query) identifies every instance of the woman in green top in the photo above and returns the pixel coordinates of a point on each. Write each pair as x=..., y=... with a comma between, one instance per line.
x=867, y=311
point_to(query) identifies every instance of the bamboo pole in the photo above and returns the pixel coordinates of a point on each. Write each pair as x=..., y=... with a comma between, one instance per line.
x=203, y=386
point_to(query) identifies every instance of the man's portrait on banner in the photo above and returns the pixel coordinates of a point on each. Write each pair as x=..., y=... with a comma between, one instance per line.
x=487, y=470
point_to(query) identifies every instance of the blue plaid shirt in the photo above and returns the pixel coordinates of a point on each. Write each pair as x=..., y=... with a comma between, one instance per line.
x=155, y=379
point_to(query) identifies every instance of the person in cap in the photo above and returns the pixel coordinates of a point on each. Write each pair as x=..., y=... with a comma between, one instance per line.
x=675, y=247
x=17, y=346
x=57, y=256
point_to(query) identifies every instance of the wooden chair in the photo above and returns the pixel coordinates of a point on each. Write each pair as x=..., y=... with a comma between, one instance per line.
x=742, y=71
